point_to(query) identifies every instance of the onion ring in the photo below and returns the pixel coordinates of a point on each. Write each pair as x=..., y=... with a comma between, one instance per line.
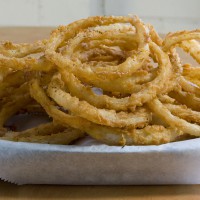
x=112, y=136
x=91, y=113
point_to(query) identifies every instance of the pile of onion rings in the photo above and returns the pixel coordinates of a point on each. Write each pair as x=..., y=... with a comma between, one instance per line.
x=110, y=77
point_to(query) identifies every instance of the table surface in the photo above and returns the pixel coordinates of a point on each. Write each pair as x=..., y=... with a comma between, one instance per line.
x=11, y=191
x=41, y=192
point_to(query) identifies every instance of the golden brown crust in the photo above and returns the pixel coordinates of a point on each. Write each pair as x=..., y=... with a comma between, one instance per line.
x=111, y=77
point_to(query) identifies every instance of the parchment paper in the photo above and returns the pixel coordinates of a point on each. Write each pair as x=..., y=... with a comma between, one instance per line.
x=90, y=163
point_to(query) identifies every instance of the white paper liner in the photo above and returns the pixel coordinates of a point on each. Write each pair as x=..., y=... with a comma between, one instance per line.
x=89, y=162
x=175, y=163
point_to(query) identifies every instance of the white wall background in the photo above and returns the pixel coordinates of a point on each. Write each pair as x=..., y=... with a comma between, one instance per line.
x=165, y=15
